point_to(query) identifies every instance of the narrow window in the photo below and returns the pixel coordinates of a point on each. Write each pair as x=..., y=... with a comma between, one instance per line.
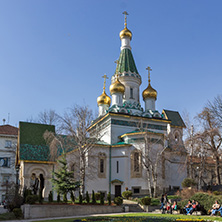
x=136, y=162
x=101, y=165
x=131, y=93
x=8, y=143
x=117, y=166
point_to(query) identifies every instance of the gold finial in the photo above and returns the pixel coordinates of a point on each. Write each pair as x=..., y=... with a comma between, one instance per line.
x=149, y=69
x=125, y=13
x=104, y=84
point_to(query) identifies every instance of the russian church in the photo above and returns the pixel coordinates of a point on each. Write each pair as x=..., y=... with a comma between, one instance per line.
x=136, y=140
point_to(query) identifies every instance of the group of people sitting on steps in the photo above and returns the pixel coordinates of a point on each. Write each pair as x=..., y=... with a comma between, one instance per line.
x=166, y=207
x=191, y=207
x=216, y=208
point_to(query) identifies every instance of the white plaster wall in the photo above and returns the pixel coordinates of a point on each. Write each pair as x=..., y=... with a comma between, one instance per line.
x=175, y=171
x=125, y=43
x=9, y=153
x=131, y=82
x=93, y=182
x=150, y=104
x=117, y=99
x=102, y=109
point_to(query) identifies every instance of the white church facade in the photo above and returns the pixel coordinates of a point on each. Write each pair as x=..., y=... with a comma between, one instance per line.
x=135, y=142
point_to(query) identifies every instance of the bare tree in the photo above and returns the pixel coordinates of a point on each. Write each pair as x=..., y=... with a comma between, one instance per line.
x=151, y=150
x=215, y=108
x=48, y=117
x=76, y=138
x=189, y=143
x=210, y=138
x=151, y=158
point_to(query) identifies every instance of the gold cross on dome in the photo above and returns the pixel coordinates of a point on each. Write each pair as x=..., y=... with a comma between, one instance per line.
x=125, y=13
x=104, y=84
x=149, y=69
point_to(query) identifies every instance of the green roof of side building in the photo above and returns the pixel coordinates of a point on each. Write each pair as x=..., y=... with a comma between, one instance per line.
x=126, y=62
x=32, y=145
x=175, y=118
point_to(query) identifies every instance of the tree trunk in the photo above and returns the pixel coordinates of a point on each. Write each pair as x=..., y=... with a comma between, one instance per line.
x=217, y=171
x=82, y=173
x=154, y=174
x=149, y=182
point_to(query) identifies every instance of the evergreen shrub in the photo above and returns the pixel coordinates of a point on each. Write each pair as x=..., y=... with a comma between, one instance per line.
x=127, y=194
x=18, y=213
x=97, y=196
x=93, y=197
x=154, y=202
x=109, y=198
x=102, y=199
x=80, y=198
x=50, y=197
x=65, y=198
x=146, y=200
x=206, y=200
x=188, y=182
x=31, y=199
x=118, y=200
x=87, y=197
x=58, y=197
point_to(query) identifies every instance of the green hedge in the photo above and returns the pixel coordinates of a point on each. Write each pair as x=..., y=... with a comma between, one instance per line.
x=206, y=200
x=31, y=199
x=127, y=194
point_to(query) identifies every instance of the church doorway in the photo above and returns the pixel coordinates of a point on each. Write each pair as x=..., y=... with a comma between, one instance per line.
x=117, y=190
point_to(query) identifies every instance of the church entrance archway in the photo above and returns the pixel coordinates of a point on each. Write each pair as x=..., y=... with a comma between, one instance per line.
x=117, y=190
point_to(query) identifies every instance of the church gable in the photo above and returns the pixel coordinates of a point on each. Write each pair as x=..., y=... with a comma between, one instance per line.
x=174, y=117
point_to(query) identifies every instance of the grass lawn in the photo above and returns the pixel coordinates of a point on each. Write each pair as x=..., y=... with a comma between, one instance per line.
x=140, y=217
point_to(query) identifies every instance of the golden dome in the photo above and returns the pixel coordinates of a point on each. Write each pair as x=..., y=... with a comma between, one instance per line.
x=103, y=99
x=125, y=32
x=117, y=87
x=149, y=92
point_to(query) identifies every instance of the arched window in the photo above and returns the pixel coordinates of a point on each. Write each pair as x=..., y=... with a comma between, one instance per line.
x=136, y=162
x=102, y=165
x=176, y=137
x=131, y=93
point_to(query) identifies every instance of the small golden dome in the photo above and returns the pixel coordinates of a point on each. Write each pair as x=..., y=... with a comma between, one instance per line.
x=117, y=87
x=149, y=92
x=125, y=32
x=103, y=99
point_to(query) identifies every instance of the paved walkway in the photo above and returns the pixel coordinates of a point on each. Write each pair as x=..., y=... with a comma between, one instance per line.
x=54, y=218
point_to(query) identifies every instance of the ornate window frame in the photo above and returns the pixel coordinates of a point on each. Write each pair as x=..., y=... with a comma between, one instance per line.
x=102, y=165
x=136, y=164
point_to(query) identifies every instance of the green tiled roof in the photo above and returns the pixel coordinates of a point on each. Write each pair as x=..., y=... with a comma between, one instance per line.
x=32, y=145
x=126, y=62
x=175, y=118
x=32, y=133
x=34, y=152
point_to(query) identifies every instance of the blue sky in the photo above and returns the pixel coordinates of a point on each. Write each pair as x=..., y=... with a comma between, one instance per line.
x=54, y=52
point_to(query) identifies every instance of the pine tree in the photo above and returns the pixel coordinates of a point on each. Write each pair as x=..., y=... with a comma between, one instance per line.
x=63, y=180
x=87, y=197
x=109, y=198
